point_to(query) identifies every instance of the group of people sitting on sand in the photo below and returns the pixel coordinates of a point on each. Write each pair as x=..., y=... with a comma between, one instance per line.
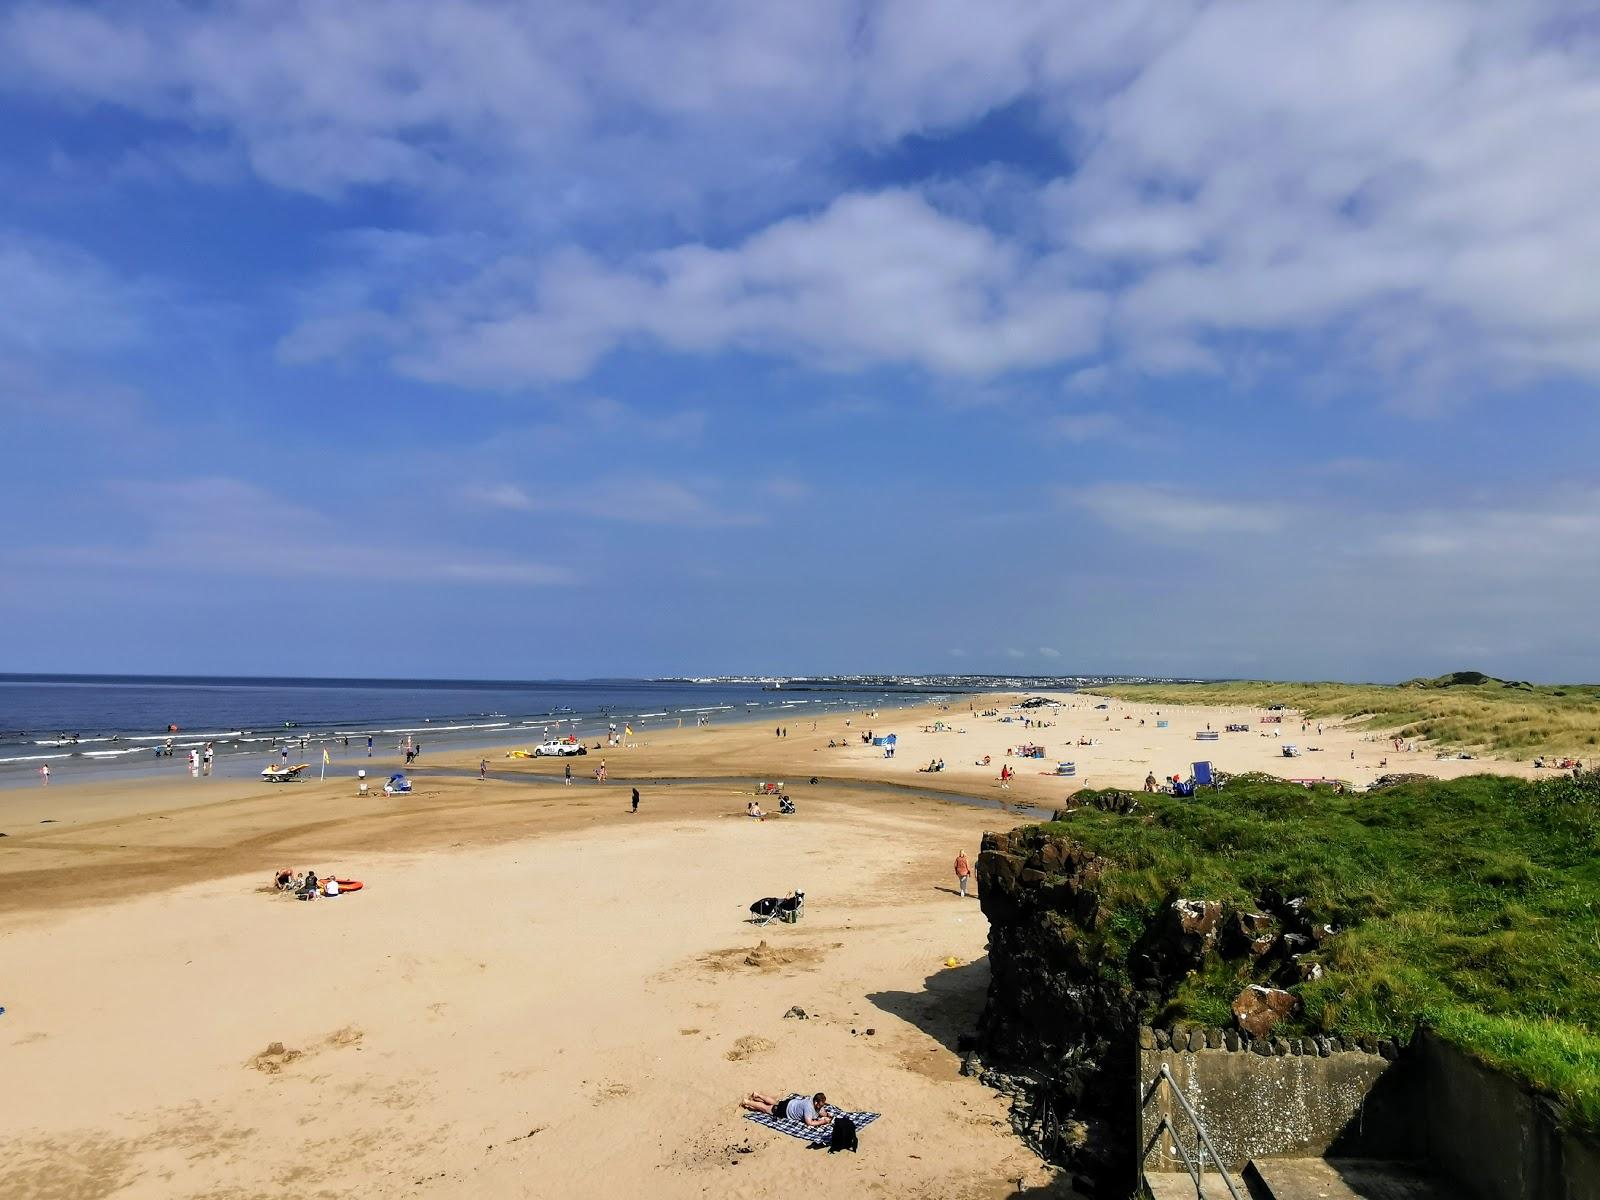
x=304, y=887
x=934, y=764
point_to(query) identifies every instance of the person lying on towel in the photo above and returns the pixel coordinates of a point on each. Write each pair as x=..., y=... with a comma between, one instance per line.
x=812, y=1113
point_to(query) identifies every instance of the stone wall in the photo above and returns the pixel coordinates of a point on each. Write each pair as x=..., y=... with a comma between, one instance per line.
x=1495, y=1138
x=1286, y=1096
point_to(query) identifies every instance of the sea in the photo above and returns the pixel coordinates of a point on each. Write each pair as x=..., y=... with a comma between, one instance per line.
x=91, y=725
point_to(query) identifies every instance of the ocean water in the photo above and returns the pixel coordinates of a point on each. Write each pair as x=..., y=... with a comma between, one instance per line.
x=82, y=724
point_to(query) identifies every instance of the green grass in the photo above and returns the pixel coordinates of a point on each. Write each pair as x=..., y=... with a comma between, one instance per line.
x=1472, y=905
x=1467, y=710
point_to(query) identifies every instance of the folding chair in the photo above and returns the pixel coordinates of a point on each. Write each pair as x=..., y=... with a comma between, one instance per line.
x=778, y=908
x=1204, y=776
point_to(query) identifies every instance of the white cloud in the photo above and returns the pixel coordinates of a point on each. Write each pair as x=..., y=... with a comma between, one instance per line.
x=1088, y=426
x=56, y=299
x=1402, y=186
x=505, y=496
x=1158, y=511
x=228, y=526
x=1049, y=652
x=641, y=501
x=873, y=278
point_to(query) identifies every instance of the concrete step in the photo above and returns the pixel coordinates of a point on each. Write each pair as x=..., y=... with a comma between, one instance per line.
x=1179, y=1185
x=1341, y=1179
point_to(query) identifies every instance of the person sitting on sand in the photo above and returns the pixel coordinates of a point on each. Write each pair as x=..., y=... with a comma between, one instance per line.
x=754, y=809
x=284, y=878
x=811, y=1113
x=330, y=886
x=308, y=887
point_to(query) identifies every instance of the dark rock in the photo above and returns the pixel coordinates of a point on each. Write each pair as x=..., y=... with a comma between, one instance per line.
x=1324, y=1049
x=1308, y=971
x=1368, y=1043
x=1389, y=1049
x=1257, y=1009
x=797, y=1013
x=1280, y=1046
x=1336, y=1044
x=1147, y=1038
x=967, y=1041
x=1230, y=1038
x=1213, y=1039
x=1197, y=1040
x=1163, y=1039
x=1252, y=933
x=1261, y=1046
x=1296, y=943
x=1198, y=919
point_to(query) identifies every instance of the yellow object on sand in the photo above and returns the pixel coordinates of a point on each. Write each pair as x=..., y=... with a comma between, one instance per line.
x=952, y=961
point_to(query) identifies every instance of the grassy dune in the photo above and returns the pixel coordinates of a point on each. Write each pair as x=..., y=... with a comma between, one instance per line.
x=1471, y=904
x=1465, y=711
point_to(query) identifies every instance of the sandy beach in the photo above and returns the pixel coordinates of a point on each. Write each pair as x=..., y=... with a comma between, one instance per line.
x=538, y=992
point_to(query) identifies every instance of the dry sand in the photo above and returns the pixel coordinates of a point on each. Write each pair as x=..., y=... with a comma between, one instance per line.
x=537, y=993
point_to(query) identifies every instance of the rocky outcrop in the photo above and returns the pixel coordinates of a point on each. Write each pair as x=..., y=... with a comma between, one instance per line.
x=1059, y=1030
x=1060, y=1033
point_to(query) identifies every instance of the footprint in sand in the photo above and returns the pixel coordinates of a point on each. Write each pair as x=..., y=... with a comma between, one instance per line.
x=274, y=1058
x=748, y=1047
x=348, y=1036
x=611, y=1091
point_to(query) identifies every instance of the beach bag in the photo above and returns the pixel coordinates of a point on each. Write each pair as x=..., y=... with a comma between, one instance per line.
x=844, y=1136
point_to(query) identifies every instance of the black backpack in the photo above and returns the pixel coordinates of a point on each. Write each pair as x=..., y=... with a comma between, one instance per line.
x=844, y=1136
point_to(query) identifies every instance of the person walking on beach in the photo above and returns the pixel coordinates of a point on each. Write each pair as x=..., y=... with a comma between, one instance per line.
x=963, y=871
x=567, y=771
x=44, y=775
x=369, y=745
x=635, y=799
x=483, y=769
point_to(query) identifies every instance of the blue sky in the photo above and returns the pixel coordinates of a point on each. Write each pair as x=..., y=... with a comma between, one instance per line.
x=490, y=339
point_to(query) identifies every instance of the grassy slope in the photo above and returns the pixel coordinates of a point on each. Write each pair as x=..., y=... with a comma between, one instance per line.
x=1473, y=904
x=1514, y=719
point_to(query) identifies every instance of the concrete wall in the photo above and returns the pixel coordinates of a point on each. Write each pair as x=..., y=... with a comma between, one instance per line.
x=1254, y=1105
x=1496, y=1139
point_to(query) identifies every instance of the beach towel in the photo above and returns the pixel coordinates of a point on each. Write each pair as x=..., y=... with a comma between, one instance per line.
x=818, y=1136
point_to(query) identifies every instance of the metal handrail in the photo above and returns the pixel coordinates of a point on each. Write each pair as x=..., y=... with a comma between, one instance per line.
x=1196, y=1164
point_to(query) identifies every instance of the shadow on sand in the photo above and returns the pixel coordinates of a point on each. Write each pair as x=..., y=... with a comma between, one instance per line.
x=948, y=1005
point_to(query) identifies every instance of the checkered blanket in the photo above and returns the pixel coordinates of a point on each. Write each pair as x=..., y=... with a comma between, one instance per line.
x=819, y=1135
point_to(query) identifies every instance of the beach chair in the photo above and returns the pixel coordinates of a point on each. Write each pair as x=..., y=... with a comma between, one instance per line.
x=1204, y=776
x=779, y=908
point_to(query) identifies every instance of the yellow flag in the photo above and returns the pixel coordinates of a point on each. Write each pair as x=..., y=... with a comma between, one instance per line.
x=629, y=728
x=325, y=759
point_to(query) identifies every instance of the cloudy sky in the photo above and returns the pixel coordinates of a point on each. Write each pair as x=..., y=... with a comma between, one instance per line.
x=521, y=340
